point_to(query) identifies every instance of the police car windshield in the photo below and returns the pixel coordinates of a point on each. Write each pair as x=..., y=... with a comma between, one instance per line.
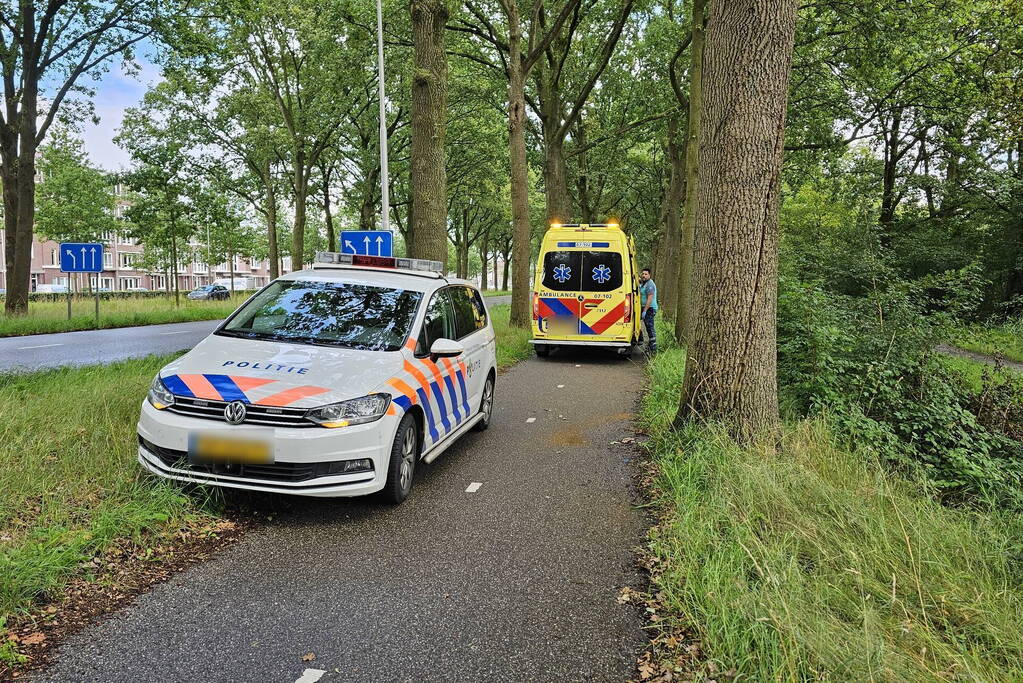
x=327, y=313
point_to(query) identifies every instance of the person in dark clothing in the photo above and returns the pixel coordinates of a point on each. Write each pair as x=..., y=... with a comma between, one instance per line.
x=648, y=302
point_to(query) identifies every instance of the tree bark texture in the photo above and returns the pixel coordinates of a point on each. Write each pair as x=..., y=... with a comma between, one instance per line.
x=301, y=171
x=685, y=289
x=520, y=308
x=731, y=371
x=428, y=226
x=271, y=225
x=667, y=262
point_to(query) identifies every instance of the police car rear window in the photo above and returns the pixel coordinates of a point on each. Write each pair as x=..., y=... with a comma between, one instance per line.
x=582, y=271
x=327, y=313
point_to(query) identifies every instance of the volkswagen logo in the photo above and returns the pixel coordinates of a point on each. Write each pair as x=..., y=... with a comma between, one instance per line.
x=234, y=413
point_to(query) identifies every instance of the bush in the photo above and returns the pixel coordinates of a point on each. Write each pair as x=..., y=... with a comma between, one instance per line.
x=868, y=363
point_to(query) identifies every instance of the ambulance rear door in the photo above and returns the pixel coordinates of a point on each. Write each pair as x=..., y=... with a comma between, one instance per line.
x=587, y=293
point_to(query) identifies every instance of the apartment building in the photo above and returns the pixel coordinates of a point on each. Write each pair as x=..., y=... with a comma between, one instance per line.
x=122, y=269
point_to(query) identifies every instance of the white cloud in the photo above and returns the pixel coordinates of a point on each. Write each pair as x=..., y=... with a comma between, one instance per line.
x=114, y=93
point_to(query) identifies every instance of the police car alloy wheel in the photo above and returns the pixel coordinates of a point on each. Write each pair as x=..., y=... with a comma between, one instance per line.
x=401, y=469
x=486, y=405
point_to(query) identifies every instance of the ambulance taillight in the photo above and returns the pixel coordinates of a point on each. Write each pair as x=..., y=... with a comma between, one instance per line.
x=536, y=306
x=628, y=308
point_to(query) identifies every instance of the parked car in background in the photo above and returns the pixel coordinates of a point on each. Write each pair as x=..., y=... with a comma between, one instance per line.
x=210, y=293
x=240, y=283
x=52, y=289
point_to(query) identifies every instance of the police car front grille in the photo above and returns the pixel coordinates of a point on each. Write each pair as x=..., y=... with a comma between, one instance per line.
x=279, y=472
x=255, y=414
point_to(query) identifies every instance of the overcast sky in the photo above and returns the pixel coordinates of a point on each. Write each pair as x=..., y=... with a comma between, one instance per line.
x=114, y=93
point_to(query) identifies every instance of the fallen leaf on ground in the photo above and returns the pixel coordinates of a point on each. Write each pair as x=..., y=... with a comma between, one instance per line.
x=308, y=657
x=34, y=639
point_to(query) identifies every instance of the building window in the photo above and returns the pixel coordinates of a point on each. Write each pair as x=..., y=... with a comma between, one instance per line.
x=108, y=236
x=130, y=283
x=54, y=257
x=128, y=259
x=108, y=259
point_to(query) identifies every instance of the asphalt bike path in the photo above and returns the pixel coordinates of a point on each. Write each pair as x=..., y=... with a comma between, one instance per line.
x=503, y=565
x=93, y=347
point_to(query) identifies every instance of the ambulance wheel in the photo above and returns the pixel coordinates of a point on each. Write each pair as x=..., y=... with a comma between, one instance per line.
x=486, y=405
x=401, y=469
x=542, y=350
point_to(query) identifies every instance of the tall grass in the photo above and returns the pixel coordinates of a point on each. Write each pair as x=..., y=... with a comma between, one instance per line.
x=512, y=342
x=69, y=483
x=811, y=562
x=45, y=317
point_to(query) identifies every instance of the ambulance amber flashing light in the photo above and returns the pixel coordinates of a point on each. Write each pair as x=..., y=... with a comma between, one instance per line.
x=585, y=226
x=336, y=258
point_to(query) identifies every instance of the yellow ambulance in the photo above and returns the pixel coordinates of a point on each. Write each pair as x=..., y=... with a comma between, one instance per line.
x=586, y=289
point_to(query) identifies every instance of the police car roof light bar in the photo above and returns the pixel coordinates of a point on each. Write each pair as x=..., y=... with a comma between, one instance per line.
x=337, y=258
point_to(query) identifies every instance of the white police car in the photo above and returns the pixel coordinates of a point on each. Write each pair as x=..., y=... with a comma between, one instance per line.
x=333, y=381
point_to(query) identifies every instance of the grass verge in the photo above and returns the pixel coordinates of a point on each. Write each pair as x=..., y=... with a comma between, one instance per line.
x=45, y=317
x=69, y=484
x=496, y=292
x=1005, y=340
x=811, y=562
x=512, y=343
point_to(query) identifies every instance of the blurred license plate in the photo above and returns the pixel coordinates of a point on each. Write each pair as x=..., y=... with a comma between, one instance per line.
x=249, y=447
x=563, y=325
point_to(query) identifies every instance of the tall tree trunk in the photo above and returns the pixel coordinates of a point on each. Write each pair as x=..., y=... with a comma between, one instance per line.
x=230, y=267
x=583, y=180
x=506, y=255
x=731, y=371
x=555, y=171
x=328, y=218
x=368, y=206
x=520, y=308
x=890, y=174
x=174, y=261
x=686, y=289
x=671, y=220
x=271, y=230
x=301, y=192
x=429, y=230
x=483, y=260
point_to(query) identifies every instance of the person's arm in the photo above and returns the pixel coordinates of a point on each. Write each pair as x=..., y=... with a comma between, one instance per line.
x=644, y=300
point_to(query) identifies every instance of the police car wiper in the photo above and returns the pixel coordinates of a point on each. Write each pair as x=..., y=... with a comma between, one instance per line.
x=243, y=335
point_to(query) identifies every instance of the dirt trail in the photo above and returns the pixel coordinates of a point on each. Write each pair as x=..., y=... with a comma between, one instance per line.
x=994, y=361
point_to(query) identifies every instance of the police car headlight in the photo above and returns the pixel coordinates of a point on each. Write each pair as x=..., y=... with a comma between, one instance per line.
x=354, y=412
x=159, y=395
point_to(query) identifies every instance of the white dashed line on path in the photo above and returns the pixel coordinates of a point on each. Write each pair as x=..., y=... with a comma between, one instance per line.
x=38, y=346
x=561, y=386
x=474, y=487
x=530, y=420
x=186, y=332
x=311, y=676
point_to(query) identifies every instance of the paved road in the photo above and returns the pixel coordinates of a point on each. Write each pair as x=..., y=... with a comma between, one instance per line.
x=515, y=582
x=39, y=351
x=87, y=347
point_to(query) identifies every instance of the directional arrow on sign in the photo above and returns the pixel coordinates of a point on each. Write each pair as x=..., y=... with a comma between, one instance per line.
x=93, y=261
x=366, y=240
x=380, y=240
x=350, y=246
x=74, y=263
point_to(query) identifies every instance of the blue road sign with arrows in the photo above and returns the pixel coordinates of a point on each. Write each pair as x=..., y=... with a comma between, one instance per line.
x=81, y=257
x=367, y=242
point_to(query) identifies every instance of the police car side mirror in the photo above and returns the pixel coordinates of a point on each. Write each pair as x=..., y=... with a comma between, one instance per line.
x=445, y=348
